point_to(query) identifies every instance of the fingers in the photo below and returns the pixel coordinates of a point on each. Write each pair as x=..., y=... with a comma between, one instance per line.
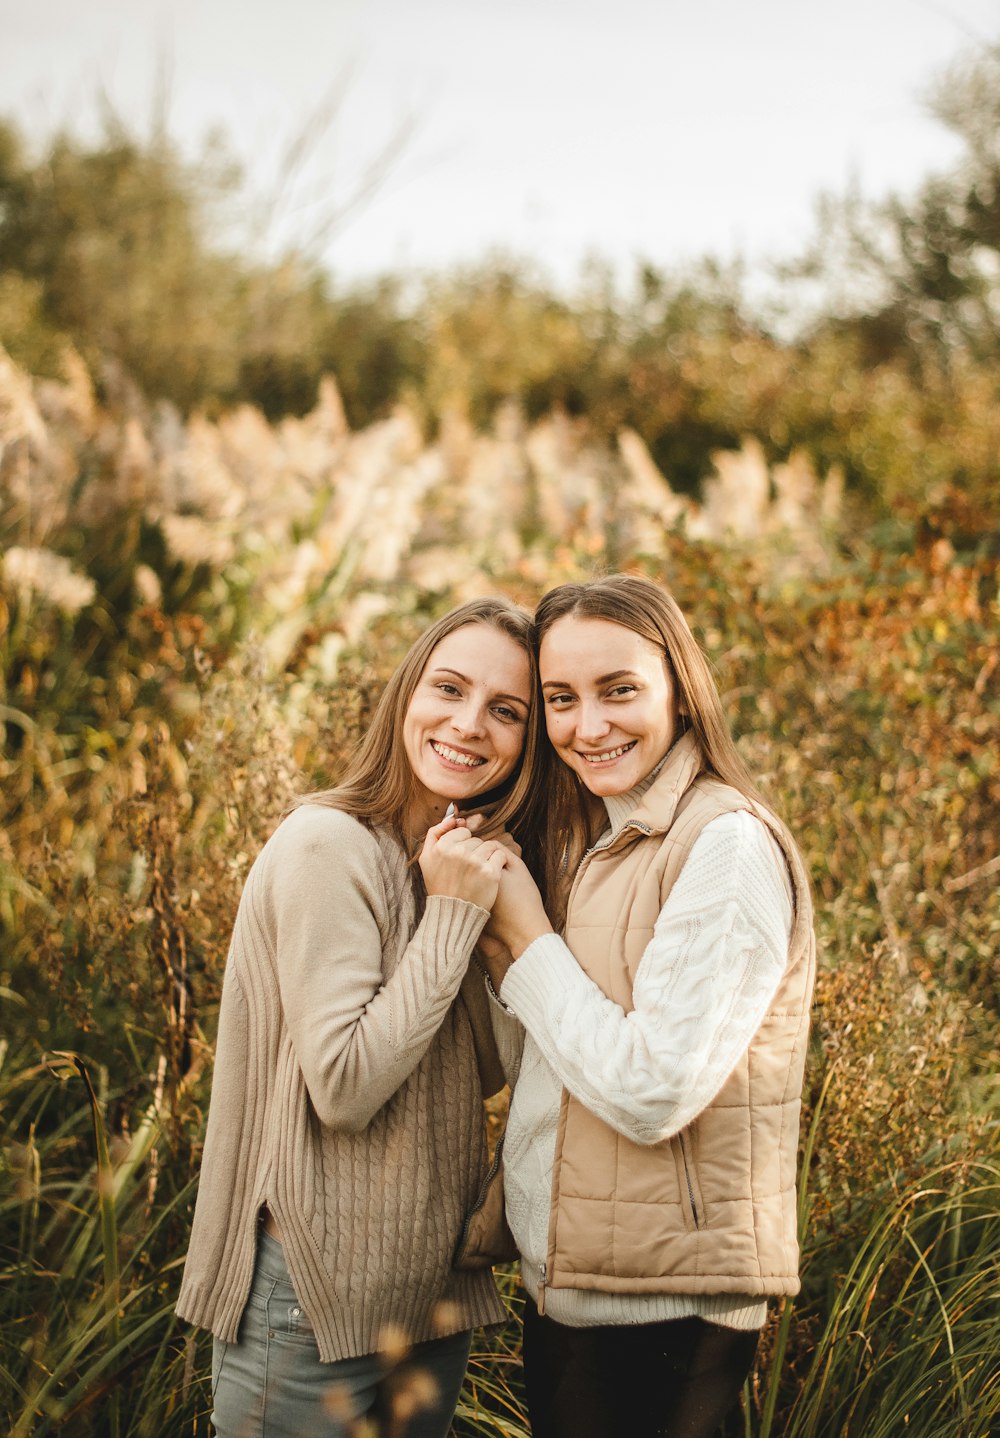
x=496, y=861
x=454, y=822
x=447, y=825
x=461, y=837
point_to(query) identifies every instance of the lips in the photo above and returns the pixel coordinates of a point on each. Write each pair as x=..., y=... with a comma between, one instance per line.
x=461, y=757
x=606, y=756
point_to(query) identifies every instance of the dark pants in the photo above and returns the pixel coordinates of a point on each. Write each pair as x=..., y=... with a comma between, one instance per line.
x=678, y=1379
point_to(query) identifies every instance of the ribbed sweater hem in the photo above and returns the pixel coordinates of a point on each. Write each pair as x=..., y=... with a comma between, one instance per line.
x=579, y=1308
x=351, y=1331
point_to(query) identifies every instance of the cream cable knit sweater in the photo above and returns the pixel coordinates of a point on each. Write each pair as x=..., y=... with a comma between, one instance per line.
x=346, y=1096
x=702, y=988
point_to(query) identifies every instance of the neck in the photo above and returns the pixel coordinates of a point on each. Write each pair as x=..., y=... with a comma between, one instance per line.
x=424, y=810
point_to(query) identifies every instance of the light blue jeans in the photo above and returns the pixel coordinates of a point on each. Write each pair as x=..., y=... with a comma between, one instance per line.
x=271, y=1383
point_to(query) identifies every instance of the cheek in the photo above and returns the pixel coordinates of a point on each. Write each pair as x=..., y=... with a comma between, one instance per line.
x=508, y=743
x=558, y=726
x=416, y=722
x=411, y=745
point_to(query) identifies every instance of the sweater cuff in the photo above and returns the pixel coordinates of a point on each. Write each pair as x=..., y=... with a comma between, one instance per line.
x=452, y=926
x=547, y=966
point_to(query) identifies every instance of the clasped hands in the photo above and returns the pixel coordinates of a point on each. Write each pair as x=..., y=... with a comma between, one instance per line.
x=490, y=873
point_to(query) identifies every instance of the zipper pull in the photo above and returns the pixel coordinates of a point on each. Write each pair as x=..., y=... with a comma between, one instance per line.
x=541, y=1294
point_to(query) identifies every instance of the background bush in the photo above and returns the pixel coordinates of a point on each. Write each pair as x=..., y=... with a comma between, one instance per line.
x=212, y=558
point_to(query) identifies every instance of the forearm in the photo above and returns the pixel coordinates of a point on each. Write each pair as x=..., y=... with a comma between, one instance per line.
x=701, y=989
x=356, y=1054
x=329, y=898
x=644, y=1077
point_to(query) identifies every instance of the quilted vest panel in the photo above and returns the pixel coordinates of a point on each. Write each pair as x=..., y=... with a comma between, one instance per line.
x=712, y=1209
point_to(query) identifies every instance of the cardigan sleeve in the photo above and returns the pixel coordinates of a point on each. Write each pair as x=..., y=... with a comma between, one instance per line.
x=356, y=1036
x=702, y=987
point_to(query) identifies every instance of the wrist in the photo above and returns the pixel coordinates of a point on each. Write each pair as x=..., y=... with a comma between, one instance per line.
x=527, y=936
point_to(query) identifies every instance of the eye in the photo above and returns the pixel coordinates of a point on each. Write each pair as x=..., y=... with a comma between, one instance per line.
x=507, y=714
x=559, y=701
x=449, y=689
x=622, y=691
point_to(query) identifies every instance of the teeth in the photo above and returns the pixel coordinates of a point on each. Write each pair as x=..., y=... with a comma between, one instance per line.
x=453, y=756
x=608, y=754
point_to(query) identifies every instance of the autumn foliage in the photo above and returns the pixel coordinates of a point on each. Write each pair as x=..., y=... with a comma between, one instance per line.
x=209, y=568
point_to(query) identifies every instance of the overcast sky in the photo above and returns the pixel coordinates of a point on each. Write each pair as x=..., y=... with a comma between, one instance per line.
x=554, y=129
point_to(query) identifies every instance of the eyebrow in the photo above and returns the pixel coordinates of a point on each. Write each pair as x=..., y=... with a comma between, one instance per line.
x=514, y=698
x=601, y=679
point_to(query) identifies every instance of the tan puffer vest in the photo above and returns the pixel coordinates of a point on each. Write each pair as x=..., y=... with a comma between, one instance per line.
x=713, y=1209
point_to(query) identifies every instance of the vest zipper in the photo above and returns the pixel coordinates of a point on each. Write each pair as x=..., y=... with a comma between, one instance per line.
x=646, y=831
x=687, y=1179
x=541, y=1293
x=602, y=848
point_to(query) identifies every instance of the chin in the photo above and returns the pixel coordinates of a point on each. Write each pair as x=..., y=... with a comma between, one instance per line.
x=609, y=783
x=610, y=790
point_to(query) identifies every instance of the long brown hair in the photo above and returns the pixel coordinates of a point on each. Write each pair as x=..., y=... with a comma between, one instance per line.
x=378, y=784
x=647, y=609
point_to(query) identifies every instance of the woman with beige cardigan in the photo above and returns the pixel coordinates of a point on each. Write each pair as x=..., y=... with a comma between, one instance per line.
x=345, y=1140
x=651, y=1147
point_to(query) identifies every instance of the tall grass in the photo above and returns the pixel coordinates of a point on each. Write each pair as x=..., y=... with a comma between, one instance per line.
x=148, y=747
x=492, y=1401
x=88, y=1343
x=898, y=1332
x=906, y=1339
x=912, y=1342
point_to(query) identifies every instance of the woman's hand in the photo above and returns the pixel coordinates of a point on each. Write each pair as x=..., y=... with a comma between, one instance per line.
x=518, y=916
x=457, y=864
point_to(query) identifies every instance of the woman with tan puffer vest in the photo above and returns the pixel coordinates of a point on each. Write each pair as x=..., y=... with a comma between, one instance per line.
x=657, y=1044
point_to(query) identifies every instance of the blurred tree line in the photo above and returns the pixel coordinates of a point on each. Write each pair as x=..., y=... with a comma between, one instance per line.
x=114, y=247
x=150, y=741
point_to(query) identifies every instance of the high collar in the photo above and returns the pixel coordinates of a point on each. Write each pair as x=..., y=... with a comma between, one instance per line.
x=656, y=797
x=620, y=807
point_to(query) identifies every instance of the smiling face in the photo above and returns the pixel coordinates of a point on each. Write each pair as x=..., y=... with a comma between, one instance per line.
x=464, y=728
x=610, y=702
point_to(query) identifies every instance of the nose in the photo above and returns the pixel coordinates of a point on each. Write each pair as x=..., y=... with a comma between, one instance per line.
x=468, y=719
x=592, y=723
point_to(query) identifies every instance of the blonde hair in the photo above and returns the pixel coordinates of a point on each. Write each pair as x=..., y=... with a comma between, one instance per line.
x=647, y=609
x=378, y=785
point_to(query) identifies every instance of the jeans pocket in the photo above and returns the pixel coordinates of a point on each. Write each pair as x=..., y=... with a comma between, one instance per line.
x=286, y=1318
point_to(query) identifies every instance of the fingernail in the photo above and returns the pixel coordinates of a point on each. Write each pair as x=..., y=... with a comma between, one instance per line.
x=450, y=812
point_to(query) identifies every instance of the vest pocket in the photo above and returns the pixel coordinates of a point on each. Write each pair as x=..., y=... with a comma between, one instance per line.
x=694, y=1211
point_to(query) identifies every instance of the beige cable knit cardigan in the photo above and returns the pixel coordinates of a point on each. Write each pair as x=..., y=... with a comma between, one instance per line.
x=347, y=1095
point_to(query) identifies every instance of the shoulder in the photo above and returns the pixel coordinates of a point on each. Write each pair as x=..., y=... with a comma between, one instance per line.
x=712, y=796
x=321, y=860
x=741, y=831
x=742, y=844
x=738, y=825
x=316, y=838
x=733, y=840
x=725, y=814
x=320, y=827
